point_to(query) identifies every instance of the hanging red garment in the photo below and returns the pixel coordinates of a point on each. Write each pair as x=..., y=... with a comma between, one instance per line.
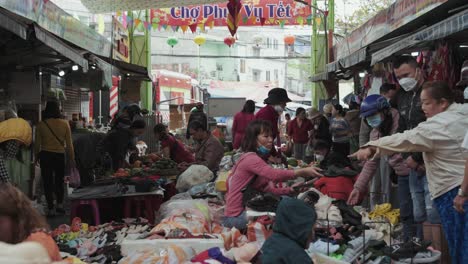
x=439, y=70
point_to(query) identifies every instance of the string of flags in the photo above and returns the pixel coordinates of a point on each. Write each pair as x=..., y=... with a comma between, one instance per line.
x=233, y=22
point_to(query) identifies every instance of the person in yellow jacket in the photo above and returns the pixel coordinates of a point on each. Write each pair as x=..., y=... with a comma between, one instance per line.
x=53, y=140
x=14, y=133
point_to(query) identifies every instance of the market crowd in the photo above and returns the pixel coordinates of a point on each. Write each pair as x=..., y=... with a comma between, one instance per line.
x=413, y=135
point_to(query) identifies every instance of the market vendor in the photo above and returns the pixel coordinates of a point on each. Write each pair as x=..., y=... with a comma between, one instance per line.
x=172, y=147
x=20, y=222
x=257, y=144
x=209, y=150
x=14, y=133
x=122, y=140
x=439, y=138
x=197, y=114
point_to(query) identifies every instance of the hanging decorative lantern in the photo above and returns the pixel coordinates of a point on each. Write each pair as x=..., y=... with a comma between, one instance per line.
x=289, y=40
x=229, y=41
x=257, y=40
x=199, y=40
x=172, y=41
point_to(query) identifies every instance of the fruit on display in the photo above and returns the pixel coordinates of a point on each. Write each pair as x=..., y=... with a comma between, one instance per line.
x=293, y=162
x=164, y=164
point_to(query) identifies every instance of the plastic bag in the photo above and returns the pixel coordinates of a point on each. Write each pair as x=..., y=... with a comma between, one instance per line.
x=194, y=175
x=173, y=255
x=74, y=178
x=193, y=215
x=226, y=162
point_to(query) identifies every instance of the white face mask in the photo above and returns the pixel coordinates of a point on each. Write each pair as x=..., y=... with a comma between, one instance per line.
x=319, y=157
x=278, y=109
x=465, y=93
x=408, y=84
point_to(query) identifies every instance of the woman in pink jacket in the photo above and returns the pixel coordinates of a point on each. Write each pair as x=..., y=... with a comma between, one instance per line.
x=241, y=121
x=384, y=122
x=257, y=144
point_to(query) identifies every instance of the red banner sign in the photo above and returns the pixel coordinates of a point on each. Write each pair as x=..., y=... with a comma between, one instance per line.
x=253, y=13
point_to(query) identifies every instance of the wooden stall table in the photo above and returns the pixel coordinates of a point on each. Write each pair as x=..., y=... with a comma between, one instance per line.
x=115, y=207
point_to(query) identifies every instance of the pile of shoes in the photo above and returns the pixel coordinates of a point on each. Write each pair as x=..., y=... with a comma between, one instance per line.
x=413, y=251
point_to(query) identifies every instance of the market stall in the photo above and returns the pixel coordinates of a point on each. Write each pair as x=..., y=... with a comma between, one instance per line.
x=187, y=226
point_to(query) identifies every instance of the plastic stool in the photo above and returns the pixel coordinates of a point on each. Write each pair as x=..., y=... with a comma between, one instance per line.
x=75, y=204
x=148, y=204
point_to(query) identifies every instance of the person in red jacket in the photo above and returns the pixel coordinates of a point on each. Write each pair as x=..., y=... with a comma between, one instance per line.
x=275, y=105
x=241, y=121
x=299, y=132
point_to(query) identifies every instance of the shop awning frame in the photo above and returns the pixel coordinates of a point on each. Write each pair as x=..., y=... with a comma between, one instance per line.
x=445, y=28
x=61, y=47
x=354, y=58
x=323, y=76
x=14, y=25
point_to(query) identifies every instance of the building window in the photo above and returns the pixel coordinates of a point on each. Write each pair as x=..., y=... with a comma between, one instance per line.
x=256, y=75
x=267, y=77
x=242, y=66
x=268, y=43
x=256, y=52
x=275, y=44
x=276, y=75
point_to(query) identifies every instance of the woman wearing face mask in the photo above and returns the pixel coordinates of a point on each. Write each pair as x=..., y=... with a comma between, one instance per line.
x=299, y=131
x=340, y=130
x=440, y=139
x=383, y=120
x=275, y=105
x=257, y=144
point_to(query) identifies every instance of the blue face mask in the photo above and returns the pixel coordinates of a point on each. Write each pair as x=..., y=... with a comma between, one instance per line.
x=262, y=150
x=374, y=121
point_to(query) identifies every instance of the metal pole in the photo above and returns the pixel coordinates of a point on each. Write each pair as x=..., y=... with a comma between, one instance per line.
x=199, y=70
x=100, y=107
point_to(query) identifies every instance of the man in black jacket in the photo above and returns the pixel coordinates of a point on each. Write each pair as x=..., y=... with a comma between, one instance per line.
x=408, y=102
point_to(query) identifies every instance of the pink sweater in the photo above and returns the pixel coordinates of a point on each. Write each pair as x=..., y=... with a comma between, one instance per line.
x=396, y=161
x=249, y=165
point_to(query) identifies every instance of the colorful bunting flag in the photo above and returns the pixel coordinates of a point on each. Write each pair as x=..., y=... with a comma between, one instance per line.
x=193, y=28
x=282, y=22
x=245, y=19
x=184, y=28
x=137, y=22
x=174, y=28
x=262, y=20
x=300, y=21
x=201, y=27
x=146, y=24
x=140, y=27
x=253, y=19
x=164, y=27
x=318, y=20
x=212, y=24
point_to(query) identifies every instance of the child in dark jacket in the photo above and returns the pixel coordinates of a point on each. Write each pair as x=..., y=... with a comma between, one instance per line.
x=339, y=177
x=292, y=233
